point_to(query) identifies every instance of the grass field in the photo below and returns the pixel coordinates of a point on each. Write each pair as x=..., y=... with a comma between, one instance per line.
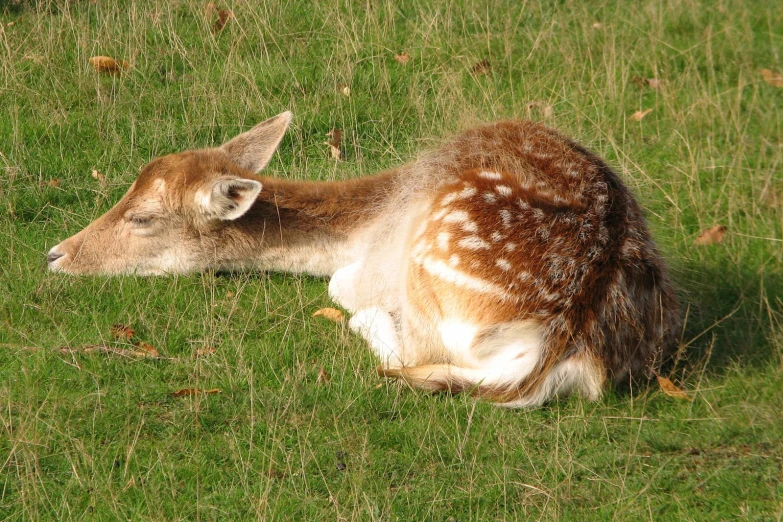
x=96, y=436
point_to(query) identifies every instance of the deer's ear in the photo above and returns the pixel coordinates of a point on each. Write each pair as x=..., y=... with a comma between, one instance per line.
x=229, y=199
x=253, y=149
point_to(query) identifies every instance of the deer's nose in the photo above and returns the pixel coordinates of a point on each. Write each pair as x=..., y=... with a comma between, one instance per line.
x=53, y=256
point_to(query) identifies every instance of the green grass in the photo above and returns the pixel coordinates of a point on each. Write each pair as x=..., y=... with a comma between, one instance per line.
x=100, y=437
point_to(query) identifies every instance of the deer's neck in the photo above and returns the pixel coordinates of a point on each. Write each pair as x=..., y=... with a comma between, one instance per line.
x=311, y=227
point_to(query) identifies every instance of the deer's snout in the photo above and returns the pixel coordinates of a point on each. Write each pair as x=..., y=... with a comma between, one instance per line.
x=53, y=256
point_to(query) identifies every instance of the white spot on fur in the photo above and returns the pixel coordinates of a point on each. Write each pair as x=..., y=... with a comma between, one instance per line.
x=503, y=264
x=496, y=236
x=439, y=214
x=443, y=240
x=465, y=193
x=470, y=226
x=490, y=175
x=440, y=269
x=503, y=190
x=456, y=216
x=510, y=246
x=422, y=229
x=454, y=260
x=473, y=243
x=505, y=217
x=489, y=197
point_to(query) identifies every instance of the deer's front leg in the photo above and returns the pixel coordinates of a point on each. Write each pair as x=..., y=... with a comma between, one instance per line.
x=343, y=286
x=379, y=329
x=372, y=322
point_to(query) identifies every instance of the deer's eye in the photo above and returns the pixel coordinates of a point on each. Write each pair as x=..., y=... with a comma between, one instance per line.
x=140, y=220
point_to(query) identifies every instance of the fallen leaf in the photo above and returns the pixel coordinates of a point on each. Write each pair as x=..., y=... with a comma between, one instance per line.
x=323, y=377
x=189, y=392
x=272, y=472
x=772, y=78
x=653, y=83
x=224, y=15
x=332, y=314
x=210, y=9
x=344, y=89
x=402, y=58
x=335, y=142
x=53, y=182
x=772, y=198
x=547, y=111
x=108, y=65
x=122, y=331
x=639, y=115
x=100, y=177
x=230, y=294
x=202, y=352
x=670, y=389
x=598, y=25
x=482, y=67
x=147, y=350
x=711, y=236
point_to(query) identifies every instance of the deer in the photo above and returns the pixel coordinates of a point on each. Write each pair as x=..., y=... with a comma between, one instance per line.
x=510, y=263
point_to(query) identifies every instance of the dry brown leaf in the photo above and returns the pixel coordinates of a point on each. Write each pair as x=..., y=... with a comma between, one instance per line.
x=671, y=389
x=147, y=350
x=711, y=236
x=772, y=78
x=189, y=392
x=53, y=182
x=333, y=314
x=598, y=25
x=547, y=111
x=639, y=115
x=108, y=65
x=402, y=58
x=482, y=67
x=203, y=352
x=224, y=15
x=344, y=89
x=210, y=9
x=335, y=143
x=100, y=177
x=323, y=377
x=230, y=294
x=122, y=331
x=772, y=198
x=653, y=83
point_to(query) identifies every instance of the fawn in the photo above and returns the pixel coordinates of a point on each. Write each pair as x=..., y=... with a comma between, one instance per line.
x=510, y=263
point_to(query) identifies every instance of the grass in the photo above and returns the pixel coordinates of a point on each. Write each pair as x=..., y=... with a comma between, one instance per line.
x=100, y=437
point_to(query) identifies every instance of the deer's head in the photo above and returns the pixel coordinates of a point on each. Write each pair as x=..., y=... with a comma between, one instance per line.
x=170, y=218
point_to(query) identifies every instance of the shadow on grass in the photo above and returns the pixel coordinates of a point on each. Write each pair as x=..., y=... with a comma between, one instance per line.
x=732, y=315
